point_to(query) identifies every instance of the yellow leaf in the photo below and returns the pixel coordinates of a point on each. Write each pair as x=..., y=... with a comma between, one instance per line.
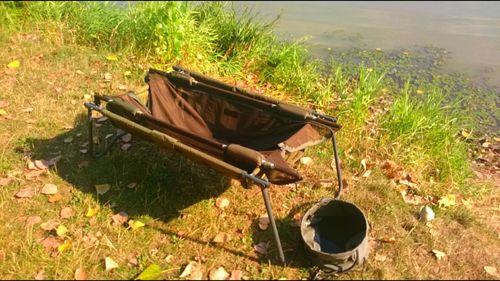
x=61, y=230
x=127, y=73
x=91, y=212
x=64, y=247
x=111, y=57
x=280, y=87
x=3, y=112
x=447, y=201
x=135, y=224
x=14, y=64
x=465, y=134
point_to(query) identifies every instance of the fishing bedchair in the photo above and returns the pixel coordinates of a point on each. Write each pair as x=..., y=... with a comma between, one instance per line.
x=243, y=135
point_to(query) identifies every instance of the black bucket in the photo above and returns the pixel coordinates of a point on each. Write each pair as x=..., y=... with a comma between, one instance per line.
x=335, y=233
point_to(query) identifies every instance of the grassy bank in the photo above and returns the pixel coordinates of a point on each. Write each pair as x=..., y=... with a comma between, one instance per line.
x=67, y=51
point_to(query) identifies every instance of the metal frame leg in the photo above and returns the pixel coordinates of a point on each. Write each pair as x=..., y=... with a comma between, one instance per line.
x=265, y=194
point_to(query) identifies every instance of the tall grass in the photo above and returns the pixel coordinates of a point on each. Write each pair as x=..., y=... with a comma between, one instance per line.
x=423, y=133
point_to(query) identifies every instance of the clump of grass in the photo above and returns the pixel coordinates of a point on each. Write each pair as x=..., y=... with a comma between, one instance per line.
x=422, y=133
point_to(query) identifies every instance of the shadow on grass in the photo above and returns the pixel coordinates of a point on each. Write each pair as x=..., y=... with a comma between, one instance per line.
x=166, y=183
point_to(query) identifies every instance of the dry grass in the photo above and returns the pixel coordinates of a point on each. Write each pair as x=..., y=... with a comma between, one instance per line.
x=175, y=198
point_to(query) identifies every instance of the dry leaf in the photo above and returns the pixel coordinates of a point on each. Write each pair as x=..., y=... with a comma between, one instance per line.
x=110, y=264
x=367, y=173
x=49, y=225
x=261, y=248
x=3, y=113
x=363, y=164
x=131, y=185
x=56, y=197
x=108, y=76
x=221, y=203
x=80, y=274
x=193, y=270
x=135, y=224
x=491, y=270
x=42, y=164
x=127, y=138
x=380, y=258
x=439, y=255
x=68, y=140
x=25, y=193
x=120, y=218
x=49, y=189
x=388, y=240
x=125, y=146
x=222, y=238
x=218, y=274
x=169, y=258
x=264, y=222
x=61, y=230
x=391, y=169
x=111, y=57
x=33, y=175
x=447, y=201
x=33, y=220
x=102, y=188
x=40, y=275
x=127, y=73
x=66, y=213
x=91, y=212
x=306, y=161
x=236, y=275
x=66, y=246
x=50, y=243
x=14, y=64
x=5, y=181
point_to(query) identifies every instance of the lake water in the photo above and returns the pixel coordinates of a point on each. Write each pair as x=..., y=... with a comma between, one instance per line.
x=470, y=31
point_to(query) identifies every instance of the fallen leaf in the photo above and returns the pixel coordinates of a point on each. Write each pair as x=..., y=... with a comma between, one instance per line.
x=447, y=201
x=61, y=230
x=169, y=258
x=102, y=188
x=66, y=213
x=439, y=255
x=131, y=185
x=221, y=203
x=40, y=275
x=66, y=246
x=152, y=272
x=379, y=257
x=87, y=97
x=127, y=138
x=388, y=240
x=127, y=73
x=193, y=270
x=391, y=169
x=34, y=175
x=261, y=247
x=125, y=146
x=14, y=64
x=33, y=220
x=49, y=225
x=79, y=72
x=80, y=274
x=110, y=264
x=91, y=212
x=42, y=164
x=50, y=243
x=49, y=189
x=218, y=274
x=133, y=262
x=221, y=238
x=56, y=197
x=120, y=218
x=108, y=76
x=25, y=193
x=367, y=173
x=236, y=275
x=465, y=134
x=135, y=224
x=122, y=87
x=68, y=140
x=5, y=181
x=363, y=164
x=3, y=112
x=111, y=57
x=491, y=270
x=306, y=161
x=264, y=222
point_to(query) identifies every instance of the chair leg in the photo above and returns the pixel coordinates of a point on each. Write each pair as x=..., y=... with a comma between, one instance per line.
x=265, y=194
